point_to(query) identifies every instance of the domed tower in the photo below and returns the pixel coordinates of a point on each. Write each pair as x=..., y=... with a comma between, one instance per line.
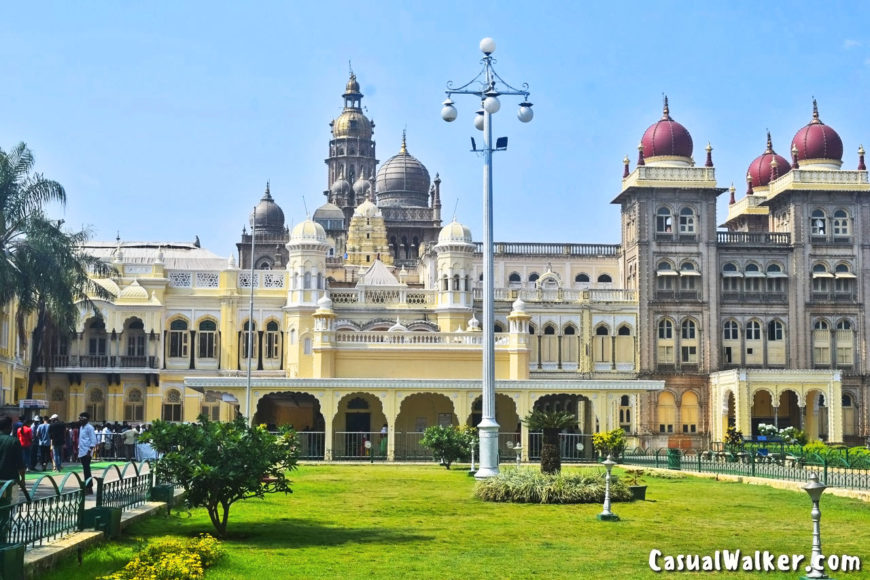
x=669, y=248
x=750, y=214
x=306, y=263
x=351, y=151
x=818, y=146
x=667, y=143
x=455, y=250
x=411, y=209
x=269, y=235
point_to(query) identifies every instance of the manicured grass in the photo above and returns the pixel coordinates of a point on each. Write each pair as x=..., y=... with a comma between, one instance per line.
x=397, y=521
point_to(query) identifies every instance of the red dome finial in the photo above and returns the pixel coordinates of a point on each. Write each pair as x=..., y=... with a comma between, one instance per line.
x=640, y=155
x=769, y=144
x=749, y=184
x=666, y=113
x=709, y=149
x=625, y=171
x=861, y=166
x=794, y=157
x=732, y=190
x=816, y=119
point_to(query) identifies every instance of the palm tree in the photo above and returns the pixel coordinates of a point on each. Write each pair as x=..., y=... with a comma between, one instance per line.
x=42, y=267
x=551, y=423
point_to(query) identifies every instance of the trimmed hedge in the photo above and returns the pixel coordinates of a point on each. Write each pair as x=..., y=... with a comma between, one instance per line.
x=532, y=486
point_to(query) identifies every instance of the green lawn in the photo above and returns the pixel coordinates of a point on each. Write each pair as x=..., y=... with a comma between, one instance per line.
x=397, y=521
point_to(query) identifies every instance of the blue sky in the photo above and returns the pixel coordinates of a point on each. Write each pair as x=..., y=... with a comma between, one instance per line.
x=164, y=120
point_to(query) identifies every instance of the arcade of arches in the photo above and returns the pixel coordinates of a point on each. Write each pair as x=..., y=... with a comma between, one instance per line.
x=340, y=408
x=746, y=397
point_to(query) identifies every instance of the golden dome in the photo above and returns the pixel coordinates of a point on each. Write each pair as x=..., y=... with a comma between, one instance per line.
x=352, y=123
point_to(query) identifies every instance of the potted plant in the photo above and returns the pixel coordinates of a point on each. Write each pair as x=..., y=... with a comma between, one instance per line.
x=636, y=484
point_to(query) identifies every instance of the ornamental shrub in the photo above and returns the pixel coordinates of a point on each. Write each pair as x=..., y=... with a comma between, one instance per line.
x=449, y=444
x=532, y=486
x=171, y=559
x=609, y=442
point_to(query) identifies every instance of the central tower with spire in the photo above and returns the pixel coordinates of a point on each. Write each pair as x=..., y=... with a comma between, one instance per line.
x=351, y=160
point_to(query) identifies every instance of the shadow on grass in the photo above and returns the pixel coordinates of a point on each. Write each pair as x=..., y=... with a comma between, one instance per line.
x=282, y=532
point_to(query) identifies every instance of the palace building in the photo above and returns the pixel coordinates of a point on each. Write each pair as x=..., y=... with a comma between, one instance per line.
x=365, y=314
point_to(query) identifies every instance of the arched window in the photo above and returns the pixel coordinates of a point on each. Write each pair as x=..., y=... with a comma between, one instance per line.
x=497, y=327
x=817, y=223
x=731, y=278
x=514, y=280
x=97, y=338
x=665, y=274
x=731, y=331
x=845, y=343
x=844, y=280
x=665, y=343
x=690, y=411
x=179, y=339
x=666, y=329
x=549, y=330
x=135, y=340
x=774, y=330
x=687, y=221
x=96, y=405
x=602, y=331
x=687, y=329
x=581, y=278
x=775, y=278
x=752, y=278
x=841, y=224
x=207, y=338
x=821, y=279
x=533, y=277
x=172, y=407
x=688, y=274
x=753, y=330
x=134, y=406
x=664, y=221
x=688, y=342
x=624, y=331
x=248, y=340
x=605, y=279
x=273, y=346
x=666, y=412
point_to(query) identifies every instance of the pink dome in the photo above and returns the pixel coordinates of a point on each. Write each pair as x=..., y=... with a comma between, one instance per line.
x=760, y=170
x=666, y=137
x=818, y=141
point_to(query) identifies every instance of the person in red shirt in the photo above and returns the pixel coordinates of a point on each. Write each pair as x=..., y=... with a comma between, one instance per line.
x=25, y=437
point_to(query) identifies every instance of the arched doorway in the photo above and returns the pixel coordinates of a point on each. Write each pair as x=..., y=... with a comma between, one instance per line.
x=508, y=419
x=417, y=412
x=300, y=411
x=575, y=443
x=357, y=422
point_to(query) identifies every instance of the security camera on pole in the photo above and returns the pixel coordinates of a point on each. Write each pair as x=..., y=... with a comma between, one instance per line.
x=489, y=87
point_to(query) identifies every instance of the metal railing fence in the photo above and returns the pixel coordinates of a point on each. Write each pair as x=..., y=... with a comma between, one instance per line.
x=836, y=472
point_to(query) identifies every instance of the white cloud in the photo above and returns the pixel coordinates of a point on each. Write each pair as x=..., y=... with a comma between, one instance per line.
x=849, y=43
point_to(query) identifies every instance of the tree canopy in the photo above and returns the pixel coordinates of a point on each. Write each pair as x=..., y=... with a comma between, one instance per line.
x=42, y=266
x=219, y=464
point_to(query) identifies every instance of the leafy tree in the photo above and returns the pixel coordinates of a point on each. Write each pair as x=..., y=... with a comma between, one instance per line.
x=551, y=423
x=219, y=464
x=449, y=444
x=609, y=442
x=42, y=266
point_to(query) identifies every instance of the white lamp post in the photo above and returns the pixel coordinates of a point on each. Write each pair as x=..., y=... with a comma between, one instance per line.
x=815, y=488
x=606, y=515
x=489, y=88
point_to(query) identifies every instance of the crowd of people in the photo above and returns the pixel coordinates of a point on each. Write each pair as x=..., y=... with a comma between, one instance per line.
x=49, y=441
